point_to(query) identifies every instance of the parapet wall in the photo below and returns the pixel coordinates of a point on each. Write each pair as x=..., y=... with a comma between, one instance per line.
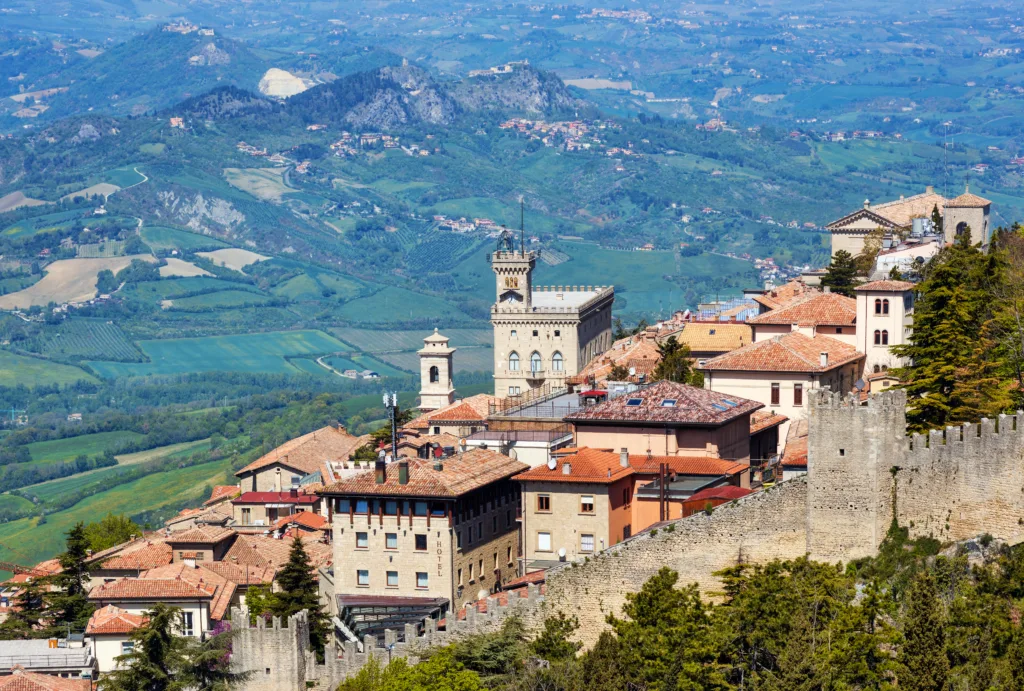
x=758, y=528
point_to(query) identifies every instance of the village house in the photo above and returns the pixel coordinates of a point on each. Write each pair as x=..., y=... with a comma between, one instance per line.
x=309, y=456
x=710, y=339
x=109, y=632
x=20, y=679
x=257, y=511
x=813, y=314
x=669, y=419
x=885, y=313
x=460, y=418
x=139, y=595
x=419, y=538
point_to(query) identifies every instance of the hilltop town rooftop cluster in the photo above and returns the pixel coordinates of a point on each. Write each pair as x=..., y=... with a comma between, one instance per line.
x=586, y=447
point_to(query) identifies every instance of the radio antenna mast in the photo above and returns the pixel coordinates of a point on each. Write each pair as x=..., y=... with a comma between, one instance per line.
x=522, y=225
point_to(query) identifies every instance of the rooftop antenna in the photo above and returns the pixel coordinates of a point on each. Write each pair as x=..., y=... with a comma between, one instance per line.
x=522, y=225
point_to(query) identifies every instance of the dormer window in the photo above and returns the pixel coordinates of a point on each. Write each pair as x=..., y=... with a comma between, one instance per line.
x=634, y=402
x=668, y=403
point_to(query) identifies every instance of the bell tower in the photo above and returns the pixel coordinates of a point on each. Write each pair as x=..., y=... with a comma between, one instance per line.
x=436, y=389
x=513, y=271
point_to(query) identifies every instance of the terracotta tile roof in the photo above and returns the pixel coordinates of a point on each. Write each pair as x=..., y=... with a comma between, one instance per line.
x=968, y=201
x=113, y=620
x=785, y=294
x=415, y=441
x=274, y=498
x=20, y=680
x=886, y=286
x=729, y=492
x=637, y=352
x=459, y=475
x=903, y=211
x=792, y=352
x=222, y=492
x=150, y=590
x=473, y=409
x=591, y=466
x=704, y=337
x=265, y=551
x=308, y=453
x=139, y=556
x=795, y=455
x=242, y=575
x=306, y=519
x=223, y=590
x=693, y=406
x=201, y=536
x=765, y=419
x=501, y=599
x=532, y=577
x=687, y=465
x=826, y=308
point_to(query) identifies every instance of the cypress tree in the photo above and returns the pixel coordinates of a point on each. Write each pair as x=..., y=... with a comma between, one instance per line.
x=299, y=591
x=923, y=656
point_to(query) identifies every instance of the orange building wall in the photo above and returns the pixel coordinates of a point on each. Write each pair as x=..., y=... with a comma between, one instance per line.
x=730, y=441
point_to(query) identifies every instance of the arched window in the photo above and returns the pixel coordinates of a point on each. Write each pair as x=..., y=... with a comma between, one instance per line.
x=877, y=369
x=556, y=362
x=885, y=338
x=878, y=337
x=885, y=307
x=435, y=374
x=878, y=306
x=885, y=368
x=536, y=364
x=513, y=360
x=962, y=227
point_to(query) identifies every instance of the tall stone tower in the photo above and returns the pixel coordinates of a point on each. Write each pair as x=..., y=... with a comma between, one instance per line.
x=436, y=389
x=513, y=271
x=967, y=212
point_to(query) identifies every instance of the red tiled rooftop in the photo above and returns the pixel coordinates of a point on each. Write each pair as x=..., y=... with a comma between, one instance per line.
x=826, y=308
x=222, y=492
x=792, y=352
x=309, y=452
x=201, y=536
x=785, y=294
x=585, y=466
x=687, y=465
x=728, y=492
x=274, y=498
x=113, y=620
x=20, y=680
x=885, y=286
x=764, y=419
x=150, y=589
x=795, y=455
x=967, y=201
x=222, y=589
x=149, y=555
x=459, y=475
x=693, y=406
x=473, y=409
x=306, y=519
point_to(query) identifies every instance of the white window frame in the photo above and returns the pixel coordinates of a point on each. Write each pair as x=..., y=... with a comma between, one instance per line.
x=543, y=541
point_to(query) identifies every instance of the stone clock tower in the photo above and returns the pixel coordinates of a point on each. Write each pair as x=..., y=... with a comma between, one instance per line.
x=436, y=389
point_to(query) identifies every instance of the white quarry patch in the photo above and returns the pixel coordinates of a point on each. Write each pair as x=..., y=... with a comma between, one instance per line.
x=282, y=84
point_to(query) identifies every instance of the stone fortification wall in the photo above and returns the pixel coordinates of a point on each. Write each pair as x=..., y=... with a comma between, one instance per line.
x=758, y=528
x=278, y=656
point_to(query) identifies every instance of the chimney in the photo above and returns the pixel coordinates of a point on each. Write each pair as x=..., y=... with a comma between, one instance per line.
x=824, y=359
x=438, y=465
x=294, y=492
x=403, y=471
x=867, y=203
x=624, y=458
x=566, y=468
x=929, y=190
x=826, y=289
x=380, y=471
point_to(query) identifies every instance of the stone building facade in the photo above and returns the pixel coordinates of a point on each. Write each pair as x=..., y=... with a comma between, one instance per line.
x=543, y=335
x=437, y=389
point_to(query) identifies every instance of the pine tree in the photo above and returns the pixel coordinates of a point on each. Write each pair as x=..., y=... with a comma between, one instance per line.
x=26, y=616
x=205, y=665
x=151, y=663
x=937, y=221
x=68, y=605
x=298, y=591
x=840, y=274
x=675, y=364
x=554, y=642
x=953, y=309
x=923, y=655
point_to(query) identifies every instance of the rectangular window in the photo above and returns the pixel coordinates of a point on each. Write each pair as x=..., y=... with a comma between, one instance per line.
x=775, y=393
x=479, y=531
x=558, y=333
x=391, y=541
x=471, y=579
x=362, y=541
x=362, y=577
x=421, y=543
x=514, y=333
x=246, y=516
x=362, y=506
x=510, y=555
x=543, y=542
x=127, y=647
x=421, y=579
x=543, y=502
x=200, y=556
x=587, y=503
x=460, y=577
x=186, y=624
x=392, y=579
x=420, y=508
x=586, y=543
x=342, y=506
x=625, y=495
x=391, y=508
x=798, y=394
x=481, y=569
x=494, y=524
x=458, y=540
x=535, y=333
x=495, y=561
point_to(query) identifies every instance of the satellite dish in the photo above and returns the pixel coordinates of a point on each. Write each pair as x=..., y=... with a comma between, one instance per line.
x=512, y=454
x=552, y=464
x=561, y=553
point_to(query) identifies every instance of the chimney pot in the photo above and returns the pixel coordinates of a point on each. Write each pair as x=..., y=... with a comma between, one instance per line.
x=566, y=468
x=824, y=359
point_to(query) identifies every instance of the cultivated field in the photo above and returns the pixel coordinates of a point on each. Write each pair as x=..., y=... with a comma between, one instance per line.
x=373, y=341
x=219, y=300
x=392, y=304
x=165, y=238
x=67, y=280
x=91, y=338
x=474, y=359
x=233, y=258
x=20, y=370
x=265, y=352
x=102, y=189
x=161, y=451
x=69, y=448
x=262, y=183
x=37, y=542
x=180, y=267
x=16, y=200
